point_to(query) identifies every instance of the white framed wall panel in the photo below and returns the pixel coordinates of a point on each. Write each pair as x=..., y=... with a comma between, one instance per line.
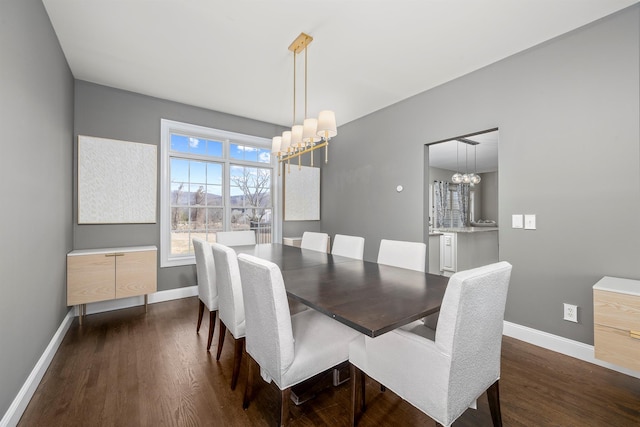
x=302, y=194
x=117, y=181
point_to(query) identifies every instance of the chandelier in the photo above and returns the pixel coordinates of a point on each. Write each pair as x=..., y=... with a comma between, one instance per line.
x=466, y=178
x=313, y=133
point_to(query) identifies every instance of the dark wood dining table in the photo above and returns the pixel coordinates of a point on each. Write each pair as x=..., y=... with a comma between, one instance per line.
x=369, y=297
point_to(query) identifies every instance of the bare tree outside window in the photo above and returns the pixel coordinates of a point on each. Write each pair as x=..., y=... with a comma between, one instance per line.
x=252, y=210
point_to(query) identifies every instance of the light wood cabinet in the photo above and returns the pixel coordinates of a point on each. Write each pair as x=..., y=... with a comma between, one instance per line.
x=616, y=317
x=104, y=274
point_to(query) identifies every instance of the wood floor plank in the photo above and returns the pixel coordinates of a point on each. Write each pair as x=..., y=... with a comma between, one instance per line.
x=128, y=368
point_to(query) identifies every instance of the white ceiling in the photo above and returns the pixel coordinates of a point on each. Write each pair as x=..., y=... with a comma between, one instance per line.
x=232, y=56
x=458, y=156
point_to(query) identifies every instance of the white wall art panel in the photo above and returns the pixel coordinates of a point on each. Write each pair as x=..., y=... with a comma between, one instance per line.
x=302, y=194
x=116, y=181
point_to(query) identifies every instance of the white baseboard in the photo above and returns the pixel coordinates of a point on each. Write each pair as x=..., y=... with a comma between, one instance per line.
x=19, y=404
x=561, y=345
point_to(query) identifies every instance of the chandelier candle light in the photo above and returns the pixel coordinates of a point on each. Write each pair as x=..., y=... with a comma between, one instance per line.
x=312, y=133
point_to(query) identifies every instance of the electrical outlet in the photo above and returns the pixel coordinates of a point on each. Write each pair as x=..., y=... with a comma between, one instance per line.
x=571, y=312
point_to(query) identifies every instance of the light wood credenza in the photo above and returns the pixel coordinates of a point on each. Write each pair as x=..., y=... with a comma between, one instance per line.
x=110, y=273
x=616, y=318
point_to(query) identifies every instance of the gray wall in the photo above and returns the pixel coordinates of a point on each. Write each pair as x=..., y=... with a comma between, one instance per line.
x=36, y=106
x=568, y=113
x=111, y=113
x=489, y=197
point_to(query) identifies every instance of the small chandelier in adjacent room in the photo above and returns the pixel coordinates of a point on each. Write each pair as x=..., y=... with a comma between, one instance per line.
x=466, y=178
x=312, y=133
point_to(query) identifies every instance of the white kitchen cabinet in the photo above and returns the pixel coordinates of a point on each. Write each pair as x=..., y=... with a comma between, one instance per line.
x=465, y=248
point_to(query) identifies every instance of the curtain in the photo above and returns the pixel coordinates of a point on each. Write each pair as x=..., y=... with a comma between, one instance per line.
x=451, y=204
x=441, y=202
x=464, y=201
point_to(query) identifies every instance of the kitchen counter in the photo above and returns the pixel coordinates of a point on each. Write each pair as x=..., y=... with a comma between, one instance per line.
x=463, y=230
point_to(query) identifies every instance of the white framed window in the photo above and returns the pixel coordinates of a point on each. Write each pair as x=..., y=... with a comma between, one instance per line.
x=213, y=180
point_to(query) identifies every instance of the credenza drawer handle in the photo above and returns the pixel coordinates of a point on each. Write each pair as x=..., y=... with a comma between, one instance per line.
x=634, y=334
x=115, y=254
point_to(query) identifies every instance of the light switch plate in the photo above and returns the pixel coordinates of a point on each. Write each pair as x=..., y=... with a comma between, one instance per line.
x=530, y=222
x=517, y=221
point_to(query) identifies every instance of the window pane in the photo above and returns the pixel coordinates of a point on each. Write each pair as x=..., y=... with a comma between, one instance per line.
x=179, y=143
x=198, y=195
x=239, y=220
x=179, y=170
x=214, y=148
x=214, y=195
x=214, y=173
x=236, y=198
x=244, y=152
x=197, y=218
x=264, y=156
x=179, y=193
x=198, y=172
x=214, y=220
x=253, y=183
x=197, y=145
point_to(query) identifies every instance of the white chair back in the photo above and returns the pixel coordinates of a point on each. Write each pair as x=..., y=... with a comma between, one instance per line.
x=444, y=377
x=206, y=274
x=231, y=305
x=348, y=246
x=315, y=241
x=236, y=238
x=269, y=336
x=470, y=329
x=409, y=255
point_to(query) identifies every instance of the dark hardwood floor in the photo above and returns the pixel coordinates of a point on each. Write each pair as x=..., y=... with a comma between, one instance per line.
x=128, y=368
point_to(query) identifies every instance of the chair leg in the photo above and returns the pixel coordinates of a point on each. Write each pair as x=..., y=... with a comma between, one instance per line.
x=238, y=347
x=200, y=313
x=212, y=326
x=357, y=393
x=363, y=377
x=493, y=393
x=285, y=398
x=221, y=333
x=248, y=389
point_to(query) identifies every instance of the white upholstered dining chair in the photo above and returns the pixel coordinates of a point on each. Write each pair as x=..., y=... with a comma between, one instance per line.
x=207, y=289
x=231, y=305
x=348, y=246
x=236, y=238
x=397, y=253
x=287, y=349
x=442, y=372
x=315, y=241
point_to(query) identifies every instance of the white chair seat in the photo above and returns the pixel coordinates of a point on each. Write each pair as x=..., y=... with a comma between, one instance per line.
x=318, y=343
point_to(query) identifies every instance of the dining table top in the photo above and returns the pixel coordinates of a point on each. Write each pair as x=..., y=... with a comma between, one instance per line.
x=369, y=297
